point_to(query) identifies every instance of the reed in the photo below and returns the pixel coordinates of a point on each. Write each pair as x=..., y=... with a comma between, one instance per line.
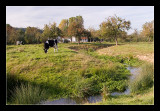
x=144, y=79
x=28, y=94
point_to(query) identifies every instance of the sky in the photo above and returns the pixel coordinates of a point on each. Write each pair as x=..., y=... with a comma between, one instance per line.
x=38, y=16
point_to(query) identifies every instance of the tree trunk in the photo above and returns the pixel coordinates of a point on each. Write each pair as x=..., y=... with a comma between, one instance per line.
x=116, y=41
x=149, y=39
x=71, y=39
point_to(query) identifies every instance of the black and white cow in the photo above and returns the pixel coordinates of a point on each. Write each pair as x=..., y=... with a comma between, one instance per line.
x=51, y=43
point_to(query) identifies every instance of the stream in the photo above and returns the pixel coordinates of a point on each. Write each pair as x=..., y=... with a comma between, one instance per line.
x=92, y=99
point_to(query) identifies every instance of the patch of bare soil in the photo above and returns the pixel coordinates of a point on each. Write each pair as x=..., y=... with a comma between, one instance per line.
x=147, y=57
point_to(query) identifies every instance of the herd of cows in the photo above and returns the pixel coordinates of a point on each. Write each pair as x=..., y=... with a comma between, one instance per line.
x=47, y=44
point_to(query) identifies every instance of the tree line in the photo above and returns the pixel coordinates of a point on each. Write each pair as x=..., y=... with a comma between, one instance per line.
x=113, y=29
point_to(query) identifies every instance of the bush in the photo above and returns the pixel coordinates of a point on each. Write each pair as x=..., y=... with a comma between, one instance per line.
x=28, y=94
x=105, y=92
x=91, y=50
x=144, y=80
x=83, y=88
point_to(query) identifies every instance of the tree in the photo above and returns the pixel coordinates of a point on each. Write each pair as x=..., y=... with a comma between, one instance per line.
x=63, y=26
x=135, y=36
x=113, y=27
x=76, y=27
x=86, y=33
x=12, y=34
x=54, y=31
x=50, y=31
x=46, y=33
x=93, y=32
x=148, y=30
x=20, y=34
x=32, y=35
x=9, y=29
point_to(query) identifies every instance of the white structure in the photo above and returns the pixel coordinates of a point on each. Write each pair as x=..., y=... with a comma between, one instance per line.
x=74, y=39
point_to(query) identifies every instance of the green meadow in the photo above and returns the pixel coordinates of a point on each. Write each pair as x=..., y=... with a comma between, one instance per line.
x=77, y=71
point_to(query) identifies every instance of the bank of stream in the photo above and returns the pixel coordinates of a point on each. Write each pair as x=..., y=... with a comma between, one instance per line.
x=92, y=99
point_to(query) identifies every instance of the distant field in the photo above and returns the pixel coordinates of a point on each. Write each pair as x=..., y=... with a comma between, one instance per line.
x=73, y=71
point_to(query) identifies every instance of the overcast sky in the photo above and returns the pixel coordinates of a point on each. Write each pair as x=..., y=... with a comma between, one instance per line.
x=37, y=16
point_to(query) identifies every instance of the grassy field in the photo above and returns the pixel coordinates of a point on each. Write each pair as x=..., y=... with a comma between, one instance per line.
x=74, y=71
x=143, y=51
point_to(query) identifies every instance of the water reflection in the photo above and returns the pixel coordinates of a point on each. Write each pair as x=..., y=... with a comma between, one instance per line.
x=73, y=101
x=134, y=71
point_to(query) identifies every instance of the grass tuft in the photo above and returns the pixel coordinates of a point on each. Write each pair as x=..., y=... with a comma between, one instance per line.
x=144, y=80
x=28, y=94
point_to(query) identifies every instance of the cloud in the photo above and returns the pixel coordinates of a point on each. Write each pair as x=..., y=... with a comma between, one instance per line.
x=37, y=16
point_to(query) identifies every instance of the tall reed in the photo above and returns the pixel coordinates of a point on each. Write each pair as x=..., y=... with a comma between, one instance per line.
x=144, y=79
x=28, y=94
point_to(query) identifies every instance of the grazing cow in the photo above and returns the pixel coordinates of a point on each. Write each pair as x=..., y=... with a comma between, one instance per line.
x=50, y=43
x=19, y=43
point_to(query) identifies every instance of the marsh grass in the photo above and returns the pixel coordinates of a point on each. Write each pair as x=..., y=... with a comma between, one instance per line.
x=146, y=98
x=144, y=80
x=28, y=94
x=105, y=93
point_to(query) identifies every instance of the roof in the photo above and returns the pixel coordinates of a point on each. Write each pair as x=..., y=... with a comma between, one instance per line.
x=84, y=37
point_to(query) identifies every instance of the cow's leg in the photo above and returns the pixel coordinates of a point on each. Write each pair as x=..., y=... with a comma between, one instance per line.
x=57, y=48
x=45, y=50
x=54, y=49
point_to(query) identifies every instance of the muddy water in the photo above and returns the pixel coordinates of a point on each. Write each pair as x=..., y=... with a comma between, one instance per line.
x=91, y=99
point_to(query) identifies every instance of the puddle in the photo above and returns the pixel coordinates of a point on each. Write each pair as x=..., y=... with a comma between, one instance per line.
x=91, y=99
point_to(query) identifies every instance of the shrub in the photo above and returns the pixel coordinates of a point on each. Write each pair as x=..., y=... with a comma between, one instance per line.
x=105, y=92
x=144, y=80
x=91, y=50
x=83, y=88
x=28, y=94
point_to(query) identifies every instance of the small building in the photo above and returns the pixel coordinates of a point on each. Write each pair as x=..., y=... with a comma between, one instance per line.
x=73, y=39
x=84, y=39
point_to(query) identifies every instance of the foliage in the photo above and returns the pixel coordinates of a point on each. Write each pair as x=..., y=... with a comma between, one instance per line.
x=63, y=26
x=51, y=31
x=12, y=34
x=148, y=30
x=76, y=27
x=32, y=35
x=113, y=27
x=105, y=92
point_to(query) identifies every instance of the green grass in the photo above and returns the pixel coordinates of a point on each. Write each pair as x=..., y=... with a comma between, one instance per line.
x=144, y=80
x=73, y=71
x=28, y=94
x=145, y=98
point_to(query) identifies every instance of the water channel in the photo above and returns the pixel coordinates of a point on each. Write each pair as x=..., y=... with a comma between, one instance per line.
x=92, y=99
